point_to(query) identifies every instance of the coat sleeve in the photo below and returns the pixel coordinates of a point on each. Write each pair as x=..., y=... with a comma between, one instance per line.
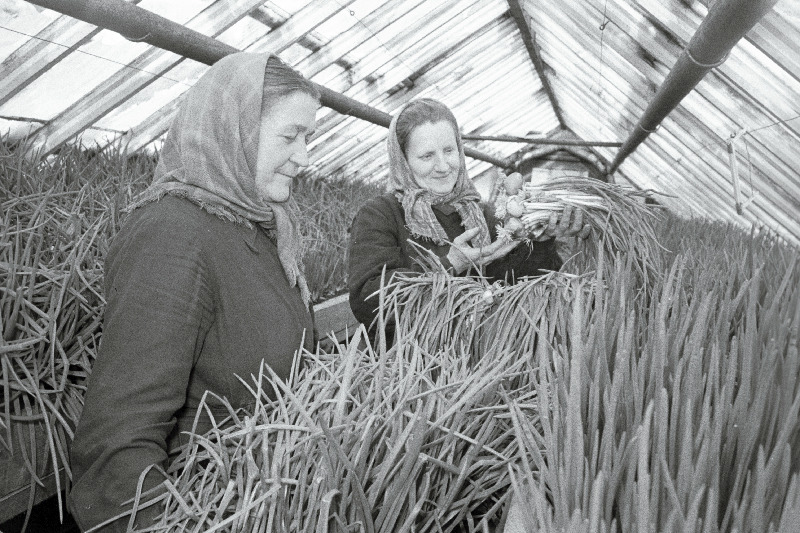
x=375, y=245
x=158, y=308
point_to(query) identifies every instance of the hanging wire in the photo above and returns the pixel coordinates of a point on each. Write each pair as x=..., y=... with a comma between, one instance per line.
x=603, y=25
x=96, y=56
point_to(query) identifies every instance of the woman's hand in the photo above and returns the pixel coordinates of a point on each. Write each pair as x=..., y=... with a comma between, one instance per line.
x=569, y=224
x=463, y=256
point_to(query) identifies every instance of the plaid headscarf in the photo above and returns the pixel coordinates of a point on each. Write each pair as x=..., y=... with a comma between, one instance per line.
x=210, y=156
x=417, y=201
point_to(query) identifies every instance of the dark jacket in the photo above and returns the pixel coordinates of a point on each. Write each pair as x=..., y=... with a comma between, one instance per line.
x=379, y=237
x=193, y=302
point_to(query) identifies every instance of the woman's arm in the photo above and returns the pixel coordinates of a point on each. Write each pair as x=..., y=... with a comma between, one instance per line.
x=375, y=244
x=159, y=308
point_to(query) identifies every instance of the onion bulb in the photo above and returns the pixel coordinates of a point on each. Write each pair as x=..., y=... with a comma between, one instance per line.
x=514, y=208
x=513, y=225
x=513, y=183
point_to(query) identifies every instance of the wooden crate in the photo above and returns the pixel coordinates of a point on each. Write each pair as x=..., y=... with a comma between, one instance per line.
x=334, y=316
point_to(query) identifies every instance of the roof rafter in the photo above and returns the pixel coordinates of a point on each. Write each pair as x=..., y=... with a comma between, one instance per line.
x=529, y=38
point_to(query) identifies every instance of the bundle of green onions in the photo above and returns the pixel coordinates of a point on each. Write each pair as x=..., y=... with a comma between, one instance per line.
x=360, y=440
x=620, y=219
x=589, y=407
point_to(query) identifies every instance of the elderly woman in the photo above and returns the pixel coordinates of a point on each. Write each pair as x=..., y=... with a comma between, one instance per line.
x=433, y=203
x=203, y=281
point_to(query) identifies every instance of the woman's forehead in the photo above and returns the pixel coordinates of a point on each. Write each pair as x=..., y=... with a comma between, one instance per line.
x=432, y=132
x=297, y=110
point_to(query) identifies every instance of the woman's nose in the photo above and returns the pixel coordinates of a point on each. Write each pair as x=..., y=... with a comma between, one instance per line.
x=441, y=163
x=300, y=156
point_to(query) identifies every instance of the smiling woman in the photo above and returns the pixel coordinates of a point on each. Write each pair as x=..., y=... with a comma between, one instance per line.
x=432, y=204
x=202, y=283
x=432, y=154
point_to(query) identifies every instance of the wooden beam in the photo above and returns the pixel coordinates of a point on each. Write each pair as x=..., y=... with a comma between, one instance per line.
x=529, y=38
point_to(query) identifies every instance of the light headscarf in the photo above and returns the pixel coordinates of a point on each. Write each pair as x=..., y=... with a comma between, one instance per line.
x=417, y=201
x=211, y=151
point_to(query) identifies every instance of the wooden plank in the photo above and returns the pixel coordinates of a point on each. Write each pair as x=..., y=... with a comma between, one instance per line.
x=334, y=316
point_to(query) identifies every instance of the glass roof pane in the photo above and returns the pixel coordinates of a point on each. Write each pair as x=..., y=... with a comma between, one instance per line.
x=18, y=21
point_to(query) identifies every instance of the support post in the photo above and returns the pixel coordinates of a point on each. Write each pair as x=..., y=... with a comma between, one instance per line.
x=136, y=23
x=726, y=23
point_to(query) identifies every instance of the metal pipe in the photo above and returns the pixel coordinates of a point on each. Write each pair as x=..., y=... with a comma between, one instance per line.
x=534, y=140
x=141, y=25
x=726, y=23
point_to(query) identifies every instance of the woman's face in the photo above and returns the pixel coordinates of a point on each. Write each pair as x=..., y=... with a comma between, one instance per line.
x=282, y=151
x=432, y=153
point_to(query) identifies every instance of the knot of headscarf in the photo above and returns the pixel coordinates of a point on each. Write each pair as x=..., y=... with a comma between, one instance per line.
x=210, y=155
x=418, y=202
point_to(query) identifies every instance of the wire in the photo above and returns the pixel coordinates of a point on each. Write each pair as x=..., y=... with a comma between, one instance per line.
x=773, y=124
x=602, y=61
x=95, y=55
x=748, y=132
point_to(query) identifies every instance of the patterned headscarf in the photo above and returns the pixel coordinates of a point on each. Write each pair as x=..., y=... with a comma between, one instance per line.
x=210, y=156
x=417, y=201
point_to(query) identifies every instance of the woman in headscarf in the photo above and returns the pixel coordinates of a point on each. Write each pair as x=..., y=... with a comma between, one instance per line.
x=203, y=282
x=433, y=203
